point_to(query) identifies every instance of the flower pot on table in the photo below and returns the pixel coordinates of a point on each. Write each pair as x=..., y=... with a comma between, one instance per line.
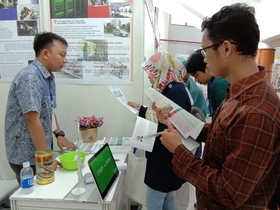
x=89, y=135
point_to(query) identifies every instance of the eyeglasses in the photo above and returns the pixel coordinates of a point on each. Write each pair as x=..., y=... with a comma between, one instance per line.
x=203, y=50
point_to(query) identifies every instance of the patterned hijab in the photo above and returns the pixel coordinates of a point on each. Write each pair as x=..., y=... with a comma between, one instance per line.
x=163, y=68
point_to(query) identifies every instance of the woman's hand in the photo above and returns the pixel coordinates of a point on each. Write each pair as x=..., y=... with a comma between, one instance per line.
x=134, y=105
x=161, y=113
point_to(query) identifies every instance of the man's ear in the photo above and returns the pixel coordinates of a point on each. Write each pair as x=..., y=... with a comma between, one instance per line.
x=207, y=70
x=45, y=53
x=228, y=48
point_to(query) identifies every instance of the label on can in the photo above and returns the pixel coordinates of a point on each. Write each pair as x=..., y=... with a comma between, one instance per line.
x=44, y=167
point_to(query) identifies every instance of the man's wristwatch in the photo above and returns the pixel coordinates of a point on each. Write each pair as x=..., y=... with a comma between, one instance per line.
x=60, y=133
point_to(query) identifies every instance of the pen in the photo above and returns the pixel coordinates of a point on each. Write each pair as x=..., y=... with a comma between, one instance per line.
x=152, y=135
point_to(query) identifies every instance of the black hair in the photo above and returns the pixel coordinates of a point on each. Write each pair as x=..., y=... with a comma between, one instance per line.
x=44, y=39
x=237, y=24
x=195, y=63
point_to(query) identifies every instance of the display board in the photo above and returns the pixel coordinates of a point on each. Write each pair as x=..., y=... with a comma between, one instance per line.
x=98, y=33
x=19, y=22
x=81, y=98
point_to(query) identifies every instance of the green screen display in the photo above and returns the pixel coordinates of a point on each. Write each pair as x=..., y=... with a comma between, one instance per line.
x=104, y=168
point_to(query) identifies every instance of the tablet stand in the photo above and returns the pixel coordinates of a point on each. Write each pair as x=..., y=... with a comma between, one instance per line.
x=79, y=190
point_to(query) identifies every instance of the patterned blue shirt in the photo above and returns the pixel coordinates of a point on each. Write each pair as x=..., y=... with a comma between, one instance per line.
x=33, y=89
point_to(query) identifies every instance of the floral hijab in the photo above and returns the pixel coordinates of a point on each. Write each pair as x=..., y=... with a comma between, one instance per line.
x=163, y=68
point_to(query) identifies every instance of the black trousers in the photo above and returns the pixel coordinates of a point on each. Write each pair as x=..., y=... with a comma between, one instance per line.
x=17, y=169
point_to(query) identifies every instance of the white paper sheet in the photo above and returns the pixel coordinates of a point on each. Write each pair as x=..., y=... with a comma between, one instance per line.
x=121, y=98
x=190, y=143
x=185, y=122
x=140, y=138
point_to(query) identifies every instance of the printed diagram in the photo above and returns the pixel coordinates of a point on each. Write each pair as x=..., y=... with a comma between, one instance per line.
x=111, y=69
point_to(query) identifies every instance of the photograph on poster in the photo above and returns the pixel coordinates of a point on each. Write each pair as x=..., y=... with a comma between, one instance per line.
x=97, y=2
x=28, y=12
x=98, y=9
x=73, y=69
x=121, y=10
x=68, y=9
x=93, y=50
x=7, y=4
x=117, y=27
x=27, y=28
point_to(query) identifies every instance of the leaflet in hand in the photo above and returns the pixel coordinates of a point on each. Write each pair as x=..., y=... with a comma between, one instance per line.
x=185, y=122
x=144, y=134
x=119, y=95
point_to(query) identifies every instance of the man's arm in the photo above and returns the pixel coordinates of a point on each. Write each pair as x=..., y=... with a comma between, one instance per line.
x=36, y=130
x=62, y=141
x=30, y=93
x=57, y=130
x=249, y=158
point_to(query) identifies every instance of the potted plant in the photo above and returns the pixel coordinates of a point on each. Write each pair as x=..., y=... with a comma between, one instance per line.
x=88, y=127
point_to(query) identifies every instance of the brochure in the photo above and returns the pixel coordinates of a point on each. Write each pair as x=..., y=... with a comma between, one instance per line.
x=117, y=141
x=118, y=144
x=120, y=97
x=144, y=134
x=185, y=122
x=88, y=148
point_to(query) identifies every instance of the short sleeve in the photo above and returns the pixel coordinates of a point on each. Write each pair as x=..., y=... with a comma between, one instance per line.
x=30, y=93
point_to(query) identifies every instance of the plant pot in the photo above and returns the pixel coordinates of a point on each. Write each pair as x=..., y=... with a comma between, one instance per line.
x=89, y=135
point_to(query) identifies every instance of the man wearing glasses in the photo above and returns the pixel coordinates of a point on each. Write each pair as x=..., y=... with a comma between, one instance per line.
x=240, y=164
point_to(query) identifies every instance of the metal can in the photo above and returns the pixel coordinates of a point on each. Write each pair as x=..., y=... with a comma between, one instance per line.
x=44, y=167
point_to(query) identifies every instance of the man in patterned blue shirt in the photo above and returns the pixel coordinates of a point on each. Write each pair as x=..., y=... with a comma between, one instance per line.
x=29, y=120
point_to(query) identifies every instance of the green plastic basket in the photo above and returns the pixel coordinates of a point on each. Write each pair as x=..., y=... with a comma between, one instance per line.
x=69, y=160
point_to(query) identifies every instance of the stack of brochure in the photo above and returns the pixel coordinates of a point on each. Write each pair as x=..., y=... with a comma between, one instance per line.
x=118, y=144
x=88, y=148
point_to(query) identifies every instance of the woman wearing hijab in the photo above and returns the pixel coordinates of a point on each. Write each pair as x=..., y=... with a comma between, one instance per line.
x=165, y=73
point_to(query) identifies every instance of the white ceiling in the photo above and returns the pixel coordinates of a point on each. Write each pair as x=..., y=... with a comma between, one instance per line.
x=192, y=12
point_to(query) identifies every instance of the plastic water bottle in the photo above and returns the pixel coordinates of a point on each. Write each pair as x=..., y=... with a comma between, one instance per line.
x=27, y=178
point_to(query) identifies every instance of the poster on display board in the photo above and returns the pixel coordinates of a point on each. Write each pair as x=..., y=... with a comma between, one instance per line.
x=19, y=23
x=99, y=36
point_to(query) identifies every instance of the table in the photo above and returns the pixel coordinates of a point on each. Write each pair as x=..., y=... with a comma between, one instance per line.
x=51, y=196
